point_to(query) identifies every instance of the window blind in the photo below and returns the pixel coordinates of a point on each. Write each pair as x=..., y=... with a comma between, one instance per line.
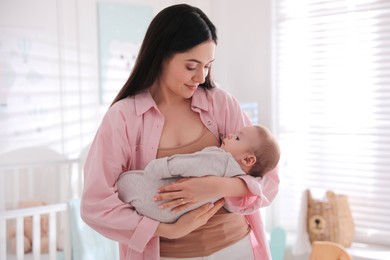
x=47, y=87
x=332, y=81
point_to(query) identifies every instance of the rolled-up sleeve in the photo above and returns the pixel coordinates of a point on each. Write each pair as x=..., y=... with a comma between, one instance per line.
x=264, y=191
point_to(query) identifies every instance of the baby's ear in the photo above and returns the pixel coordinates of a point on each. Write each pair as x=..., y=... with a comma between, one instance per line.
x=248, y=159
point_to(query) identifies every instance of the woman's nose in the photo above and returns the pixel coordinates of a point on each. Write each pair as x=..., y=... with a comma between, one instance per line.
x=200, y=76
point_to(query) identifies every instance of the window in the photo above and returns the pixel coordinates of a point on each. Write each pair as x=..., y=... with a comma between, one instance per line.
x=47, y=79
x=332, y=77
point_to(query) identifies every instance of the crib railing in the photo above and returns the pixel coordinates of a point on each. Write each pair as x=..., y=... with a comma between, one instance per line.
x=52, y=181
x=58, y=222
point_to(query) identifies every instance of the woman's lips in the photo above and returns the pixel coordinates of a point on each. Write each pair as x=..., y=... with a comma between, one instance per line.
x=192, y=86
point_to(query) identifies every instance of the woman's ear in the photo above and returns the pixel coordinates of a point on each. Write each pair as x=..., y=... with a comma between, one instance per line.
x=248, y=159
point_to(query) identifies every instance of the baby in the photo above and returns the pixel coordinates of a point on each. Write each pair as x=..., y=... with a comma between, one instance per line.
x=254, y=151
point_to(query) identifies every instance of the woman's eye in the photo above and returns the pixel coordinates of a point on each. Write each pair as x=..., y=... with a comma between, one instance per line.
x=191, y=68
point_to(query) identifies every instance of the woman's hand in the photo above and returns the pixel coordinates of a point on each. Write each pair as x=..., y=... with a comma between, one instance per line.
x=189, y=221
x=188, y=191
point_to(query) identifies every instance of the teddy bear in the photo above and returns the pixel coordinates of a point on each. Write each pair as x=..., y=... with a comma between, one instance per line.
x=330, y=219
x=28, y=229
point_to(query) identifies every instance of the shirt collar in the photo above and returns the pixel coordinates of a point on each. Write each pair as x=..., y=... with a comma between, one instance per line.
x=199, y=99
x=143, y=102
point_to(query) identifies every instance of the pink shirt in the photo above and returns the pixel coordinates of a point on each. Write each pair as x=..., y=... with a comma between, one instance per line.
x=128, y=139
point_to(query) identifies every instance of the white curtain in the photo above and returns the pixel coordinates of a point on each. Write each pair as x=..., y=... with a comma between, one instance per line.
x=332, y=78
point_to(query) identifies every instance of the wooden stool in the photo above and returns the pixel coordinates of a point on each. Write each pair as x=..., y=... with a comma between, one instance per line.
x=325, y=250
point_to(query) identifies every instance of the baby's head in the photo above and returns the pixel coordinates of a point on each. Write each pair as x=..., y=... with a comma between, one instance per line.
x=254, y=148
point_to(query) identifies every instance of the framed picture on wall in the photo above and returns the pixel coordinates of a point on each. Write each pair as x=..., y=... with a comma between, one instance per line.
x=121, y=28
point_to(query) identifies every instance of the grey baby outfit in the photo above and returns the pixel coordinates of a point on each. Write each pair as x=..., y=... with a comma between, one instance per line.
x=138, y=187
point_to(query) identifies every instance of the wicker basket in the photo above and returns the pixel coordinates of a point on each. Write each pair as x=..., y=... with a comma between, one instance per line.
x=330, y=219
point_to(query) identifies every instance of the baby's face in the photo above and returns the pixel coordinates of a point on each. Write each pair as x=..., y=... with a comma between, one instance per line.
x=240, y=143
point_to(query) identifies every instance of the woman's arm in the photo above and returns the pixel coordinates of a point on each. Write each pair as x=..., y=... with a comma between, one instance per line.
x=200, y=189
x=110, y=155
x=243, y=194
x=189, y=221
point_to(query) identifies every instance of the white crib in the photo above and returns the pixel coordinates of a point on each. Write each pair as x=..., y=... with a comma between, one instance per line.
x=37, y=174
x=41, y=174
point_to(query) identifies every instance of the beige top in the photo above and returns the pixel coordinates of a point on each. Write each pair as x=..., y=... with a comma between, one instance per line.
x=205, y=139
x=222, y=230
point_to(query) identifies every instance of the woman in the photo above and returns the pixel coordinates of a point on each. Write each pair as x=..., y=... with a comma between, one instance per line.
x=170, y=105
